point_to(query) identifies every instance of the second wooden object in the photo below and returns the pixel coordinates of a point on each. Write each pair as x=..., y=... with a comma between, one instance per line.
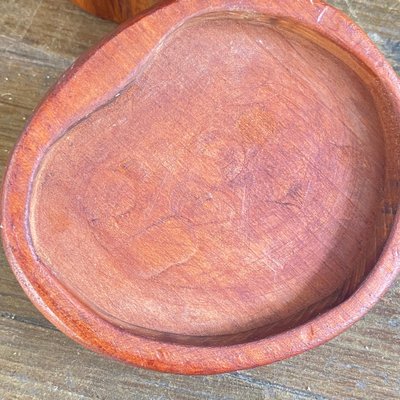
x=116, y=10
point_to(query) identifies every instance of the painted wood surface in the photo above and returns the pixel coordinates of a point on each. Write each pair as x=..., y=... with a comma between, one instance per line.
x=354, y=372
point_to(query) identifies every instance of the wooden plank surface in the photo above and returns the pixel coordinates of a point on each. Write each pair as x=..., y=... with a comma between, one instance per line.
x=38, y=40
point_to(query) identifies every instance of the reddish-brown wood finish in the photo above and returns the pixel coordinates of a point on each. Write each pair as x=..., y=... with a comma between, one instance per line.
x=209, y=198
x=117, y=10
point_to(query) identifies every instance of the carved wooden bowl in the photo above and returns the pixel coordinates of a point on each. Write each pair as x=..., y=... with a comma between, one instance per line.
x=212, y=188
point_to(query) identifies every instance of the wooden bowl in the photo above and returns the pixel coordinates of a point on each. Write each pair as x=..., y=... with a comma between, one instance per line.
x=212, y=188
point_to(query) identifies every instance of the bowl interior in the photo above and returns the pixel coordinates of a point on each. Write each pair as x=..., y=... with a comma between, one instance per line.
x=232, y=191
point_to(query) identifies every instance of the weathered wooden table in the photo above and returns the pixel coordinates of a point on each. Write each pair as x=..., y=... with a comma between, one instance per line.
x=39, y=39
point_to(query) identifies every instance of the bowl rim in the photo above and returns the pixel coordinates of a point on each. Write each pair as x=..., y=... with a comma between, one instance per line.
x=84, y=326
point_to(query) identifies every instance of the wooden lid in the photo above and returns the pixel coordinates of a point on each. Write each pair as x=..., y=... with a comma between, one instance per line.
x=212, y=188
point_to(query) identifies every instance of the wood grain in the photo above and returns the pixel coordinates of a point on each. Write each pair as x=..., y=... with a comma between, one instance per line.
x=350, y=370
